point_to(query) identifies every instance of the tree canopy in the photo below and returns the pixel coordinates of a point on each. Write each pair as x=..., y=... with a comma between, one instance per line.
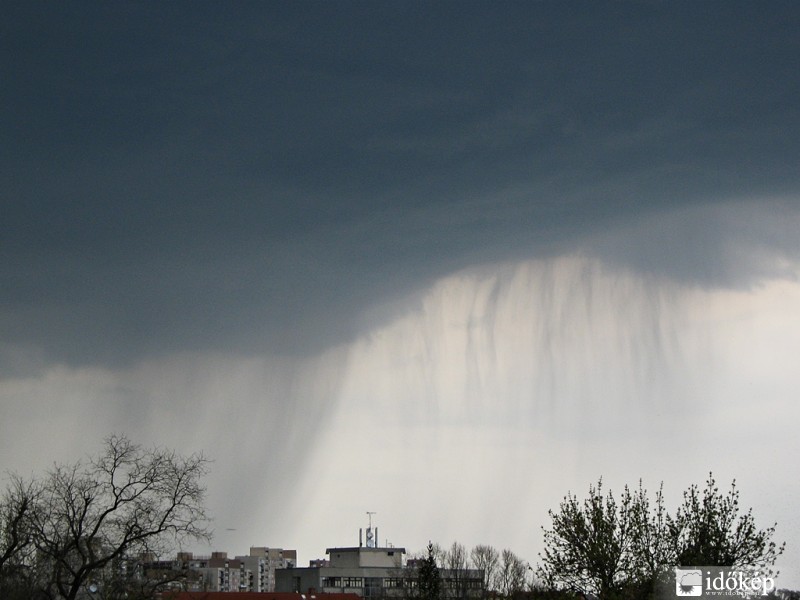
x=617, y=547
x=83, y=522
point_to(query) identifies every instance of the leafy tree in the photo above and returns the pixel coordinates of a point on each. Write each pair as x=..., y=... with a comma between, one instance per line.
x=429, y=582
x=588, y=548
x=708, y=529
x=87, y=520
x=651, y=544
x=618, y=548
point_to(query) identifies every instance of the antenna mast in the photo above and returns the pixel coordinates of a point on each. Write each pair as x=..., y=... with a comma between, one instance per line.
x=371, y=541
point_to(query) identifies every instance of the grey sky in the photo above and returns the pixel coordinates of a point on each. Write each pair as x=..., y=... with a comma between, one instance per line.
x=201, y=176
x=220, y=208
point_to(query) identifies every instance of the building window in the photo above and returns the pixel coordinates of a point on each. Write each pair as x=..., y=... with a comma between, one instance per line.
x=352, y=582
x=372, y=588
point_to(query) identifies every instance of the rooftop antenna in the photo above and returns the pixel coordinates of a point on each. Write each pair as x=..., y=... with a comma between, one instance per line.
x=371, y=541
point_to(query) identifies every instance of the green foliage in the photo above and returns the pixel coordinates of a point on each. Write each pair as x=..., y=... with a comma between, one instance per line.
x=708, y=529
x=617, y=548
x=588, y=547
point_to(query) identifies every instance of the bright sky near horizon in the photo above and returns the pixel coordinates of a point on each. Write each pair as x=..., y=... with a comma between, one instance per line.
x=441, y=261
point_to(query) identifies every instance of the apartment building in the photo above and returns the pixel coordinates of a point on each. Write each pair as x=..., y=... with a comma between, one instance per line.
x=372, y=572
x=267, y=561
x=220, y=573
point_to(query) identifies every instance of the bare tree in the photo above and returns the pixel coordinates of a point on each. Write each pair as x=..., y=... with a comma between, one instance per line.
x=439, y=553
x=512, y=574
x=456, y=557
x=16, y=542
x=17, y=504
x=486, y=558
x=456, y=562
x=91, y=517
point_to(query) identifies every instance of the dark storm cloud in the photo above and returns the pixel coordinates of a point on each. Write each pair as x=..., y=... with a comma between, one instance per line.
x=250, y=177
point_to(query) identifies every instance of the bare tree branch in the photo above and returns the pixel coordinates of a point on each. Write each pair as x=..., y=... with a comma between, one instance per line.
x=87, y=519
